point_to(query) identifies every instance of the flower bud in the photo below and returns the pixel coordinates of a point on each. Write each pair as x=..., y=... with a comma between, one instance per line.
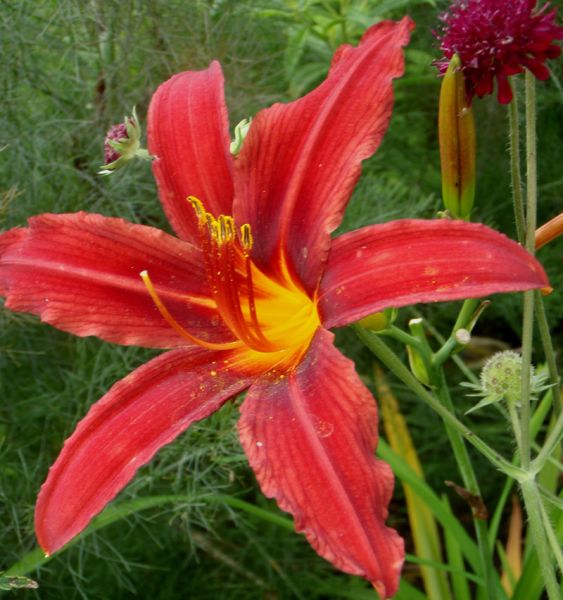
x=379, y=321
x=122, y=144
x=417, y=366
x=456, y=132
x=501, y=380
x=417, y=363
x=501, y=376
x=241, y=131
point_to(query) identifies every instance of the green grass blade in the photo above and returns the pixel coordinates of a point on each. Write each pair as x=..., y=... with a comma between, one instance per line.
x=455, y=559
x=36, y=558
x=447, y=568
x=422, y=523
x=442, y=513
x=261, y=513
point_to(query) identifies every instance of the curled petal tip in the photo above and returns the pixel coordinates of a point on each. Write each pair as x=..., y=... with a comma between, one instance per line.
x=379, y=587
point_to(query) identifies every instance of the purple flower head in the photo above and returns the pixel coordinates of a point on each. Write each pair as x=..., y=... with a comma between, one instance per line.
x=498, y=38
x=116, y=133
x=122, y=144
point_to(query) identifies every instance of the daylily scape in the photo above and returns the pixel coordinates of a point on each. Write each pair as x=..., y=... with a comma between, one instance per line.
x=244, y=297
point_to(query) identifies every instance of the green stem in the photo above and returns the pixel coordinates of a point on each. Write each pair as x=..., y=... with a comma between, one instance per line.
x=537, y=421
x=462, y=322
x=549, y=445
x=549, y=352
x=470, y=482
x=530, y=493
x=457, y=360
x=494, y=522
x=516, y=177
x=513, y=412
x=528, y=316
x=380, y=349
x=403, y=337
x=551, y=536
x=551, y=497
x=520, y=220
x=527, y=334
x=532, y=501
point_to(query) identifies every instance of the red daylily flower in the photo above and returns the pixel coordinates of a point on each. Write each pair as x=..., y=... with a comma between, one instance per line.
x=245, y=302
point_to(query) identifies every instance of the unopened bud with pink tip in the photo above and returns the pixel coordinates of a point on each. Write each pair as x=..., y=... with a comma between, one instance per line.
x=122, y=144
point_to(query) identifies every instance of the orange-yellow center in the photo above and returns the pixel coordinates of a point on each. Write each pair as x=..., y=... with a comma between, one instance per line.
x=266, y=315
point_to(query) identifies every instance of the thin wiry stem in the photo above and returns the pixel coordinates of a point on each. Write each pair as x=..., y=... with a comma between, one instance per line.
x=394, y=364
x=540, y=529
x=528, y=316
x=516, y=177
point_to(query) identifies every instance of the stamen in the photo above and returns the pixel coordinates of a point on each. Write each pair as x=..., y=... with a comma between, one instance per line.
x=234, y=308
x=174, y=324
x=197, y=205
x=226, y=251
x=212, y=227
x=245, y=237
x=226, y=229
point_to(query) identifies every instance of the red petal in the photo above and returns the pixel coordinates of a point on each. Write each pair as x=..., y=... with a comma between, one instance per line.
x=310, y=437
x=405, y=262
x=188, y=132
x=123, y=431
x=80, y=273
x=300, y=161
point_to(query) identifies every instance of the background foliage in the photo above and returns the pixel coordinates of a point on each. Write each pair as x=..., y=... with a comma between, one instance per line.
x=71, y=69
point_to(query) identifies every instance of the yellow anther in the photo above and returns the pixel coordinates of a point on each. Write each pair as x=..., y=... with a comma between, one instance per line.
x=245, y=237
x=212, y=227
x=230, y=228
x=197, y=205
x=225, y=229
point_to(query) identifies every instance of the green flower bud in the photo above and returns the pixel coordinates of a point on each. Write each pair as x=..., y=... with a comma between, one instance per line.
x=417, y=366
x=241, y=131
x=122, y=144
x=379, y=321
x=501, y=380
x=501, y=376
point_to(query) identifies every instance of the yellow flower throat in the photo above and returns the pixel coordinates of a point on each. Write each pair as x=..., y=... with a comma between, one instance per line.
x=265, y=314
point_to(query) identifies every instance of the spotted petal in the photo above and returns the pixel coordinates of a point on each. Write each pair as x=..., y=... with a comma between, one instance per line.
x=405, y=262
